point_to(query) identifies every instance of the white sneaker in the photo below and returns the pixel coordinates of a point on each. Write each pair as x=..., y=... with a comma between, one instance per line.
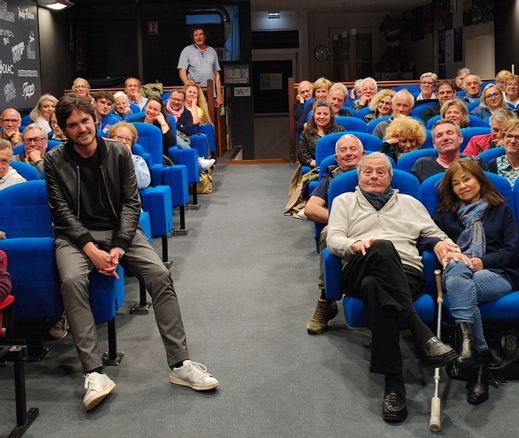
x=60, y=329
x=97, y=387
x=194, y=375
x=205, y=164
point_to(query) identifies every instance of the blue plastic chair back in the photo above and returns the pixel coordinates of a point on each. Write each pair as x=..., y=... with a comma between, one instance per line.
x=428, y=140
x=406, y=161
x=421, y=107
x=490, y=154
x=430, y=123
x=411, y=88
x=373, y=124
x=363, y=112
x=352, y=123
x=20, y=205
x=29, y=172
x=150, y=139
x=346, y=182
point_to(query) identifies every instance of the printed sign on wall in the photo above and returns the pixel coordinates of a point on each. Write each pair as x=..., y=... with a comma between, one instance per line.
x=20, y=85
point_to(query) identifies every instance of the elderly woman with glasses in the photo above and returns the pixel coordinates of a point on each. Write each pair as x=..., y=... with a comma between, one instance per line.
x=126, y=134
x=491, y=100
x=508, y=165
x=427, y=86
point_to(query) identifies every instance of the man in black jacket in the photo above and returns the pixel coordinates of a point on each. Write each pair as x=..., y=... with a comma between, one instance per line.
x=95, y=209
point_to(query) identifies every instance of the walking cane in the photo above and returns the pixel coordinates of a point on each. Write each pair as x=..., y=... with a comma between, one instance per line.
x=435, y=423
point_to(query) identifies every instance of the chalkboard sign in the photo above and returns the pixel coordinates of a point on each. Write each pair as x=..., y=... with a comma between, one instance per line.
x=20, y=85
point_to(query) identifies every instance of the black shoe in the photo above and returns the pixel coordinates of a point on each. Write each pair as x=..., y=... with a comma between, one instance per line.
x=437, y=353
x=394, y=406
x=477, y=386
x=468, y=352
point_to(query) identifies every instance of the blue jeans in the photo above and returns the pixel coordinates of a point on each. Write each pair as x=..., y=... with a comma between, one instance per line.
x=466, y=289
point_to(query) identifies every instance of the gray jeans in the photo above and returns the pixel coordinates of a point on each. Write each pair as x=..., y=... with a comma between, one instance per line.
x=143, y=262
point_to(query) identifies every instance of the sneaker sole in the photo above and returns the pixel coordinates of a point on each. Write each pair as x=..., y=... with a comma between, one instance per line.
x=194, y=386
x=99, y=397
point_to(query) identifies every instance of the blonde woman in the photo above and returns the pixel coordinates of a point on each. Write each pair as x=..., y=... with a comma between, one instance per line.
x=491, y=100
x=456, y=111
x=320, y=90
x=403, y=135
x=196, y=103
x=42, y=112
x=380, y=105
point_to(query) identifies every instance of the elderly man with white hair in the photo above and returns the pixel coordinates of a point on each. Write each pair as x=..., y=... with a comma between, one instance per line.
x=368, y=89
x=304, y=92
x=375, y=231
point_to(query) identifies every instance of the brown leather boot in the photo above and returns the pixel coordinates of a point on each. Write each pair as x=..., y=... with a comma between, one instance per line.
x=324, y=312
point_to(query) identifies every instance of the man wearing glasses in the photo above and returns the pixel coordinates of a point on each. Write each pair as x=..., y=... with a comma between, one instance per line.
x=35, y=141
x=11, y=122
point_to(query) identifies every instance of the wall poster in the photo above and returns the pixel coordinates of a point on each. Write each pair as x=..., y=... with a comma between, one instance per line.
x=20, y=85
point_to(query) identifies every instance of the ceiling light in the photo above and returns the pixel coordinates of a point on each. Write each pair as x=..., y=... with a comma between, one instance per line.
x=55, y=5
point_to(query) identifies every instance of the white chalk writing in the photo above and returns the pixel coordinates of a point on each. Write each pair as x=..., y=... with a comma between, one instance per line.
x=9, y=91
x=28, y=90
x=31, y=46
x=6, y=69
x=4, y=13
x=27, y=73
x=25, y=14
x=17, y=52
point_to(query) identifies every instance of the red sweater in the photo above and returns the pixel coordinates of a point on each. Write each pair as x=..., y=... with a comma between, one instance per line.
x=5, y=280
x=478, y=144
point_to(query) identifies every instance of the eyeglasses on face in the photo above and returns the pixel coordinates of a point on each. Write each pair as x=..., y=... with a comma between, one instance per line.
x=33, y=140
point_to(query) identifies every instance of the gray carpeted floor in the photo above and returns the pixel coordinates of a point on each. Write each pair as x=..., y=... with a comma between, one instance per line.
x=245, y=276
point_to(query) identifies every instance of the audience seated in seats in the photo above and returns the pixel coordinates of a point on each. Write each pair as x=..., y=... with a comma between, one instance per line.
x=401, y=103
x=512, y=92
x=196, y=103
x=475, y=216
x=175, y=106
x=125, y=133
x=102, y=235
x=155, y=114
x=321, y=123
x=508, y=165
x=380, y=105
x=427, y=86
x=491, y=101
x=11, y=122
x=501, y=79
x=35, y=145
x=368, y=90
x=105, y=118
x=403, y=135
x=5, y=281
x=480, y=143
x=337, y=97
x=42, y=112
x=81, y=87
x=122, y=105
x=375, y=230
x=456, y=111
x=132, y=88
x=348, y=152
x=304, y=92
x=446, y=91
x=57, y=133
x=320, y=90
x=447, y=139
x=8, y=175
x=472, y=87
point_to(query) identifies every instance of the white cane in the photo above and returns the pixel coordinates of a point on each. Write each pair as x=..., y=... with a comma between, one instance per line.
x=435, y=423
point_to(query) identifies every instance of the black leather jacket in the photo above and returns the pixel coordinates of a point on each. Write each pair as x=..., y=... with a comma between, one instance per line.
x=63, y=189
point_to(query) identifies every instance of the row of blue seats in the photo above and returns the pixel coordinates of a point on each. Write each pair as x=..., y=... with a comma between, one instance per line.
x=504, y=310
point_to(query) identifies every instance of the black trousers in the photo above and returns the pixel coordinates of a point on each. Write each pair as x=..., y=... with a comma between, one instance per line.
x=386, y=287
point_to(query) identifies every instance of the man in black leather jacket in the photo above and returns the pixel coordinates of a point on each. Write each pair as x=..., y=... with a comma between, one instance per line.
x=95, y=208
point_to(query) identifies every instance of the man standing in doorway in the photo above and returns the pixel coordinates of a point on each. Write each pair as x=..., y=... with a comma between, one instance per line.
x=198, y=62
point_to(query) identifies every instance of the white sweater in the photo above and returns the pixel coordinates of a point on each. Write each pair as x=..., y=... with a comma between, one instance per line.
x=402, y=221
x=11, y=178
